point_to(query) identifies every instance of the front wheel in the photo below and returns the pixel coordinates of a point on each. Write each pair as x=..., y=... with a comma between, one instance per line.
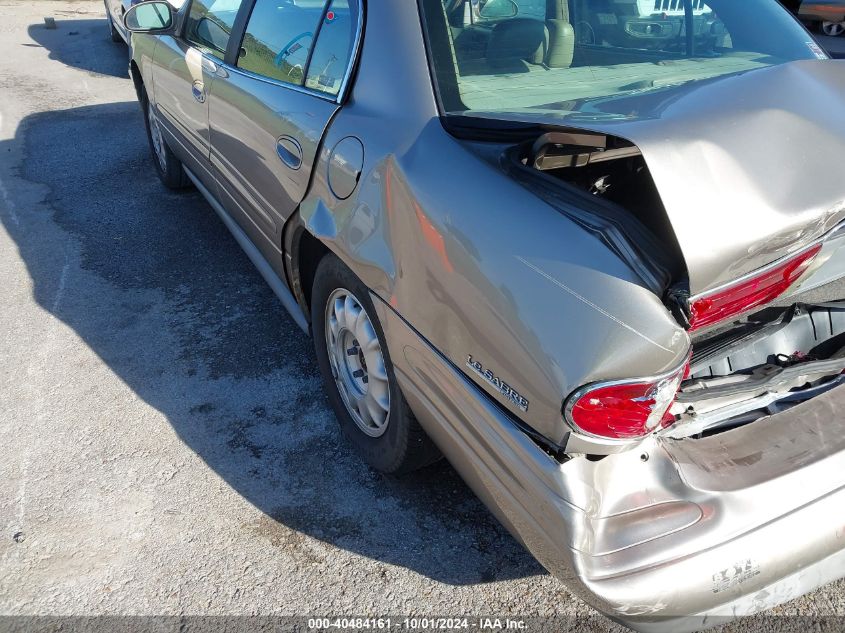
x=168, y=167
x=358, y=374
x=114, y=34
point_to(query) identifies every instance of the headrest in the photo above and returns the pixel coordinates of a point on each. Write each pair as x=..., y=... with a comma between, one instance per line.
x=514, y=42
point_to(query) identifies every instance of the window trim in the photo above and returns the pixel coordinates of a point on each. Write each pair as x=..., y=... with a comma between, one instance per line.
x=236, y=39
x=282, y=84
x=432, y=68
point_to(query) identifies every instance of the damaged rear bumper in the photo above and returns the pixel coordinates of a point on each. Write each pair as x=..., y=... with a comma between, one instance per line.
x=669, y=534
x=772, y=526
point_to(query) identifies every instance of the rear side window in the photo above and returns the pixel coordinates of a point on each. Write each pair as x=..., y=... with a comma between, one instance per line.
x=304, y=43
x=278, y=39
x=209, y=24
x=333, y=51
x=590, y=57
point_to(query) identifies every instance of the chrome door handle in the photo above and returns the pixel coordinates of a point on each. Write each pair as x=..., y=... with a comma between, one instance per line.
x=289, y=151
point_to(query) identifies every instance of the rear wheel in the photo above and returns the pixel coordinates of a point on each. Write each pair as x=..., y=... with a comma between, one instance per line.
x=168, y=167
x=359, y=376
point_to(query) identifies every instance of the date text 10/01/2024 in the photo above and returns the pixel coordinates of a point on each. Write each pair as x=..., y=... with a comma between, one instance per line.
x=418, y=624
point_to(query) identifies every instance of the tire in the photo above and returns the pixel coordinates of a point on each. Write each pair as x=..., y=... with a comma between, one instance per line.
x=400, y=445
x=114, y=34
x=167, y=166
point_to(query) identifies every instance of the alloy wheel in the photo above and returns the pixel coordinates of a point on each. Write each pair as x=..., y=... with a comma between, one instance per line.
x=357, y=362
x=833, y=28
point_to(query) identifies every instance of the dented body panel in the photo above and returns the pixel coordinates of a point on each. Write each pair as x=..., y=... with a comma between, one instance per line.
x=676, y=535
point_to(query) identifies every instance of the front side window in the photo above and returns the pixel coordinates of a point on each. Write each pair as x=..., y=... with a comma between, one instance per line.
x=210, y=23
x=565, y=57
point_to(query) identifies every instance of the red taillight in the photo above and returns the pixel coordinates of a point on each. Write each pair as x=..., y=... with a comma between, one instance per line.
x=626, y=410
x=750, y=293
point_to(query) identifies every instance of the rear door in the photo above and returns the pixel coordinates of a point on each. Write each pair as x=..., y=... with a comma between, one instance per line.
x=185, y=69
x=269, y=108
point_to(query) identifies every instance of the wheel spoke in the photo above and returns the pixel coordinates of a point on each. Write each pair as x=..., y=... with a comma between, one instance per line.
x=365, y=333
x=362, y=405
x=339, y=309
x=375, y=366
x=378, y=414
x=359, y=327
x=380, y=395
x=351, y=311
x=334, y=328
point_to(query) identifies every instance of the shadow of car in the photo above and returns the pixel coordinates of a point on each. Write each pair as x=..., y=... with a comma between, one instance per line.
x=79, y=44
x=203, y=340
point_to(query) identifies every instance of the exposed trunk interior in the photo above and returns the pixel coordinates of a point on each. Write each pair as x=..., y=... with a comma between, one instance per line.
x=612, y=169
x=607, y=178
x=770, y=362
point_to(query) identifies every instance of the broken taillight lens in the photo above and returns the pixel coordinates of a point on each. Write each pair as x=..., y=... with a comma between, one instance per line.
x=626, y=409
x=750, y=293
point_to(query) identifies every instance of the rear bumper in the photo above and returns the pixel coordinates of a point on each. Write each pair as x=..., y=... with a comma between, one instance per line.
x=663, y=536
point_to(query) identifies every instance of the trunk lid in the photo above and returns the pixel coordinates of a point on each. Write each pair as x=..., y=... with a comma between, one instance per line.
x=749, y=167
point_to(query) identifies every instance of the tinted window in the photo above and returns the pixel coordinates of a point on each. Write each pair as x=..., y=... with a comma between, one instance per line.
x=279, y=37
x=333, y=50
x=209, y=24
x=588, y=55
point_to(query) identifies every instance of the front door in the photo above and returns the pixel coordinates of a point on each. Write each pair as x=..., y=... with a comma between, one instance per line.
x=184, y=71
x=269, y=110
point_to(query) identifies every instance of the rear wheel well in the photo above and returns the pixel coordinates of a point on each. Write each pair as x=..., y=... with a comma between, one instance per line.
x=310, y=251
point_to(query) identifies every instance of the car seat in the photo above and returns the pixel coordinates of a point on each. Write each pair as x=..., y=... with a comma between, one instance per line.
x=519, y=42
x=561, y=35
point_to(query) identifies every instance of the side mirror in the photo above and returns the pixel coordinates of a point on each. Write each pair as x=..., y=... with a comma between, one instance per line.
x=499, y=9
x=149, y=17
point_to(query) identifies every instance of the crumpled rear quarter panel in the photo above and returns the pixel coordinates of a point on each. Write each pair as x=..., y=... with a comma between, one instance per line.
x=662, y=538
x=473, y=261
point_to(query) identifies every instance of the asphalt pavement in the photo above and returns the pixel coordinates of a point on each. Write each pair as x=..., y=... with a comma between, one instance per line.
x=166, y=447
x=835, y=46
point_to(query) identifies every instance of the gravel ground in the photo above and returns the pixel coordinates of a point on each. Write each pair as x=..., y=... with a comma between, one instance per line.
x=166, y=447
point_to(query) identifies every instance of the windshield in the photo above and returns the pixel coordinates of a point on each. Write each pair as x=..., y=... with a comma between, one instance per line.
x=571, y=57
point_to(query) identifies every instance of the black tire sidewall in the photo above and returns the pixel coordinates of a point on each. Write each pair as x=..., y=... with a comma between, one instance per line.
x=114, y=34
x=388, y=453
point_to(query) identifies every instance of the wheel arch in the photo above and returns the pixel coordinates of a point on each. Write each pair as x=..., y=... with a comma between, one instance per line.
x=303, y=253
